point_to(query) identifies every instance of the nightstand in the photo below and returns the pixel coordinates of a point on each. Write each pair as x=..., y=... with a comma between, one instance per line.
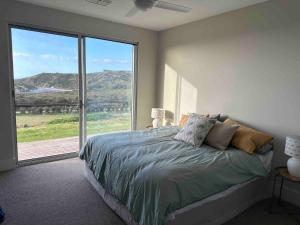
x=283, y=174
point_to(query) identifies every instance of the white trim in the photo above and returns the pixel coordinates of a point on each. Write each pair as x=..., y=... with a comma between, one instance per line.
x=47, y=159
x=291, y=195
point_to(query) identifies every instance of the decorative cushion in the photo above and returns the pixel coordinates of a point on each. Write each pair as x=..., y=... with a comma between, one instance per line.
x=219, y=117
x=195, y=130
x=184, y=118
x=220, y=135
x=248, y=139
x=215, y=116
x=223, y=118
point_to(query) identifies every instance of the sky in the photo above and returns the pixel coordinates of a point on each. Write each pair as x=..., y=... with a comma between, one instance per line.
x=36, y=52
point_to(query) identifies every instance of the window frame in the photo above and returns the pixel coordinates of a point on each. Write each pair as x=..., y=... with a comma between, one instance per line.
x=82, y=85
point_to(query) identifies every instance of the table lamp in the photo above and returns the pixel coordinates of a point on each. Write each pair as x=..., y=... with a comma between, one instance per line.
x=292, y=148
x=157, y=114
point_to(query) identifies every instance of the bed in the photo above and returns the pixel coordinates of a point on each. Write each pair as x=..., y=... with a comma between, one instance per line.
x=148, y=178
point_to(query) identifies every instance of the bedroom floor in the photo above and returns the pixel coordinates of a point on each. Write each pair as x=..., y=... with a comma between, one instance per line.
x=57, y=193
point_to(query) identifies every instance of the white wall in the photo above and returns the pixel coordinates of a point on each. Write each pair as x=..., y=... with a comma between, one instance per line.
x=244, y=63
x=12, y=11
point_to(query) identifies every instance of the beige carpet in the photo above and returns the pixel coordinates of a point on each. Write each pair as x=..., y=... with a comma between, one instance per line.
x=57, y=193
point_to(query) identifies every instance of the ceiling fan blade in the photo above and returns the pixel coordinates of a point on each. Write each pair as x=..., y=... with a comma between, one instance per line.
x=100, y=2
x=93, y=1
x=171, y=6
x=132, y=12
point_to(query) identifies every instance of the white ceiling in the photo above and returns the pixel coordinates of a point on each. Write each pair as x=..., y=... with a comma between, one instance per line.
x=155, y=18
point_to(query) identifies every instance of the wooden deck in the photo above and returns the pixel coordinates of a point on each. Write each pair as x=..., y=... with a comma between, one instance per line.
x=39, y=149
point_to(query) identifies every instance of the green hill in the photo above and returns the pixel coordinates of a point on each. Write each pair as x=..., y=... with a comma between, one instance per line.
x=95, y=81
x=53, y=88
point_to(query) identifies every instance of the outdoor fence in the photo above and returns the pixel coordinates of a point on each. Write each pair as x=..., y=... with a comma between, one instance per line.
x=91, y=106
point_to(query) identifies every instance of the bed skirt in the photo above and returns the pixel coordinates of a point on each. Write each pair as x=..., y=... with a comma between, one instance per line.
x=214, y=210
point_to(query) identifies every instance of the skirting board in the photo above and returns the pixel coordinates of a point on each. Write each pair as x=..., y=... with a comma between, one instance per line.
x=7, y=165
x=47, y=159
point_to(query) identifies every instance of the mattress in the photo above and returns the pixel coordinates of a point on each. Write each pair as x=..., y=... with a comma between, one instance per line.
x=239, y=197
x=154, y=175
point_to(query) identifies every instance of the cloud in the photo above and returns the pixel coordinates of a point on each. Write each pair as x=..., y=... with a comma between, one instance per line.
x=21, y=54
x=57, y=57
x=123, y=61
x=51, y=57
x=48, y=57
x=111, y=61
x=107, y=61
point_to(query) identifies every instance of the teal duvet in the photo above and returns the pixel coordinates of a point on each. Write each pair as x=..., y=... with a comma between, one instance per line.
x=153, y=175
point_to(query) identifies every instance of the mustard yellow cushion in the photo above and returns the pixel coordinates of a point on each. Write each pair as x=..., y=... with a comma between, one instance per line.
x=184, y=118
x=248, y=139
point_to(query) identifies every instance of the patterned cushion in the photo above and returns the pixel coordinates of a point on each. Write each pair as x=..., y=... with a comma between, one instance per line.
x=185, y=117
x=195, y=130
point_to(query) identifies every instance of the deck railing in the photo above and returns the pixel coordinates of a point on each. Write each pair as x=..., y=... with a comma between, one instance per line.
x=91, y=106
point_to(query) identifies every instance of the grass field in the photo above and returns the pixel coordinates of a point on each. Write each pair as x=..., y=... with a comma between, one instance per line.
x=44, y=127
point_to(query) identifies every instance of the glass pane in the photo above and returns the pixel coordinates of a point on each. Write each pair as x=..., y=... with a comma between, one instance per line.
x=46, y=93
x=108, y=86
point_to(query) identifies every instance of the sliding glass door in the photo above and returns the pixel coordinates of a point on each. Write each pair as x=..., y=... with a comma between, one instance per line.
x=46, y=87
x=109, y=86
x=68, y=88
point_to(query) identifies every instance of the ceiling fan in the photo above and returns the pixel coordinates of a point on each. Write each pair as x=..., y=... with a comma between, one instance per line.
x=144, y=5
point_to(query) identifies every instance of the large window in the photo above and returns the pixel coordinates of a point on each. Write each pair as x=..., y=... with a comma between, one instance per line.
x=49, y=88
x=109, y=78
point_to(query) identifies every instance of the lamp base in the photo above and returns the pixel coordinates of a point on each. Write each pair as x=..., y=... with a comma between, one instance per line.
x=293, y=166
x=156, y=123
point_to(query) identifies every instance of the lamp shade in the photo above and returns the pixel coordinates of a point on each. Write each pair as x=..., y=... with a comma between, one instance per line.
x=292, y=146
x=157, y=113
